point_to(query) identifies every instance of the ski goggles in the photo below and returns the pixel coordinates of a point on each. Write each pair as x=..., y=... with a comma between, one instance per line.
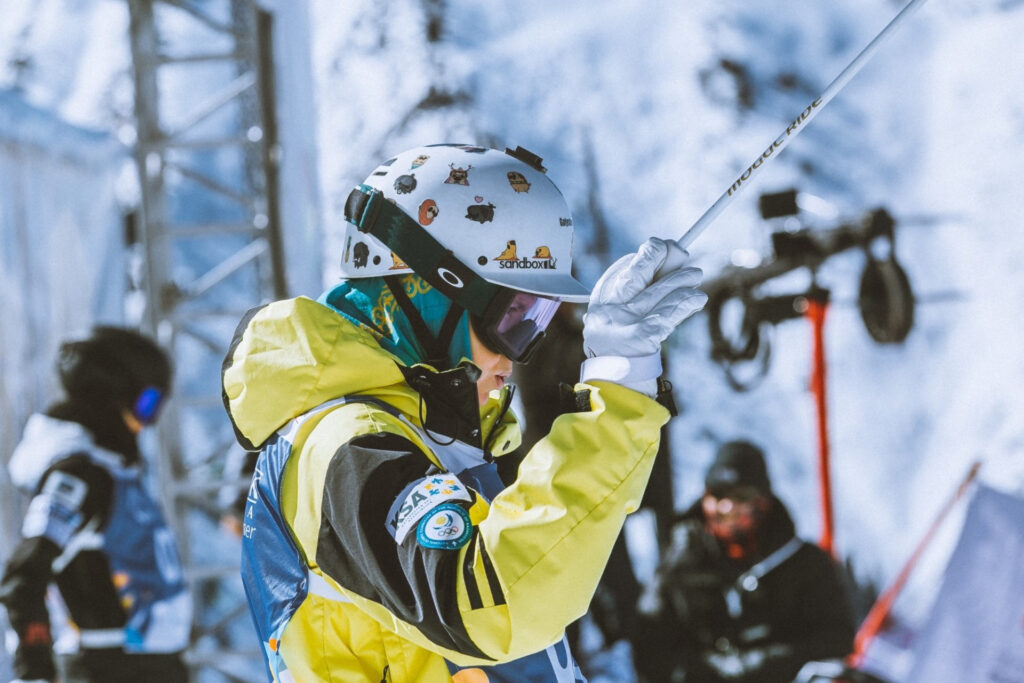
x=514, y=323
x=147, y=405
x=509, y=322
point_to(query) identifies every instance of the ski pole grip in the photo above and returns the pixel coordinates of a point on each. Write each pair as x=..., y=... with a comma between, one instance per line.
x=675, y=259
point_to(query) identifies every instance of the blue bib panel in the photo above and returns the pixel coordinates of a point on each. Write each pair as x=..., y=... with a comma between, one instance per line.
x=273, y=571
x=146, y=568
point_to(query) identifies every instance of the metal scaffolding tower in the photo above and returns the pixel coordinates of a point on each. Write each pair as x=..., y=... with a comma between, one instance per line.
x=209, y=238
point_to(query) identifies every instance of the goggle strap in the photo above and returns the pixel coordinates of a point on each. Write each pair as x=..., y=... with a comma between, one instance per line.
x=370, y=212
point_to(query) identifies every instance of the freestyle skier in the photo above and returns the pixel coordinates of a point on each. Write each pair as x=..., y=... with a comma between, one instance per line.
x=379, y=543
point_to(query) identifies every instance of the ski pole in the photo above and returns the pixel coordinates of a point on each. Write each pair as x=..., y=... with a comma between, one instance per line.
x=798, y=124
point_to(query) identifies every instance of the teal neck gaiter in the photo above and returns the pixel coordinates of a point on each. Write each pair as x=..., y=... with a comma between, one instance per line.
x=369, y=303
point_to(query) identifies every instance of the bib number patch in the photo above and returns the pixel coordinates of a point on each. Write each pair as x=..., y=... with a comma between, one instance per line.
x=447, y=527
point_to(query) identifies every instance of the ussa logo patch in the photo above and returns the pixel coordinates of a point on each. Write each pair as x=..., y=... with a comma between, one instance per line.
x=423, y=497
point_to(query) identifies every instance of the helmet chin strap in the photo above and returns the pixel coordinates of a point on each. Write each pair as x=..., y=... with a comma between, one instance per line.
x=435, y=347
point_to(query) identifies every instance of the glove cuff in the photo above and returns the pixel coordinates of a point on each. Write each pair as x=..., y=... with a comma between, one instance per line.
x=638, y=373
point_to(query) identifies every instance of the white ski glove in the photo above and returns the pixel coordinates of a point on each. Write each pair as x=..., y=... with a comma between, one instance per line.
x=634, y=307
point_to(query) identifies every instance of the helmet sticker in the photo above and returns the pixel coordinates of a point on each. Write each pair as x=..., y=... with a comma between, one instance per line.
x=510, y=252
x=419, y=161
x=360, y=253
x=428, y=211
x=518, y=182
x=458, y=176
x=483, y=213
x=397, y=263
x=405, y=184
x=541, y=258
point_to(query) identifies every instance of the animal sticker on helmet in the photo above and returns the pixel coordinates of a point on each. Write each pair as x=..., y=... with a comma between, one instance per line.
x=509, y=254
x=518, y=182
x=419, y=161
x=482, y=213
x=405, y=184
x=428, y=211
x=542, y=258
x=458, y=176
x=360, y=253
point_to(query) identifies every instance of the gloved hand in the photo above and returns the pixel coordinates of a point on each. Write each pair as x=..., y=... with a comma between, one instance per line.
x=636, y=304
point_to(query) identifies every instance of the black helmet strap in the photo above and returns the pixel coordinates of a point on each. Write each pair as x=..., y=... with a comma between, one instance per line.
x=435, y=347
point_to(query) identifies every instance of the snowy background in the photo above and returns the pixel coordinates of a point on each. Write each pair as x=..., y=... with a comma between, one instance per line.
x=644, y=114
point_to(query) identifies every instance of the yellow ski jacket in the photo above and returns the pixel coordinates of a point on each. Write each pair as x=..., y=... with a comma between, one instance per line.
x=376, y=550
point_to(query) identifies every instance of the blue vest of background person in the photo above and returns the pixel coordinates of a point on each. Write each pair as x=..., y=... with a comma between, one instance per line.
x=379, y=542
x=93, y=527
x=738, y=596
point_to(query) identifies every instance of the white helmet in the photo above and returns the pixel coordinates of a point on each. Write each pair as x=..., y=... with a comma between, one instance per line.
x=497, y=213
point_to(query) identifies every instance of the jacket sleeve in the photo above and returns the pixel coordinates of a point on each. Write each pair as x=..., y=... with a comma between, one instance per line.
x=534, y=554
x=23, y=593
x=72, y=494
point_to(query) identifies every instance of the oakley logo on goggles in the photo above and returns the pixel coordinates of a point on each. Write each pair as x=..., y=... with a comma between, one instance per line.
x=508, y=322
x=147, y=405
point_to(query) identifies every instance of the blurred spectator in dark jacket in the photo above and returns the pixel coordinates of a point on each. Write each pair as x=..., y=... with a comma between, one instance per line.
x=738, y=596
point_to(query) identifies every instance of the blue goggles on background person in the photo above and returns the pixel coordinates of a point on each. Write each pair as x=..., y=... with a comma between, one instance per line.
x=147, y=405
x=514, y=323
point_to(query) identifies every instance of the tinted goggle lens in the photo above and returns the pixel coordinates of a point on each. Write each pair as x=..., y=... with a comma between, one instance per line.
x=515, y=323
x=147, y=405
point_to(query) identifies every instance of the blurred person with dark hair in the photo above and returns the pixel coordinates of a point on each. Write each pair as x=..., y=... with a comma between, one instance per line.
x=92, y=525
x=738, y=596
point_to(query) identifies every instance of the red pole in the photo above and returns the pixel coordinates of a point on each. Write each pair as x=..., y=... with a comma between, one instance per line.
x=816, y=308
x=875, y=619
